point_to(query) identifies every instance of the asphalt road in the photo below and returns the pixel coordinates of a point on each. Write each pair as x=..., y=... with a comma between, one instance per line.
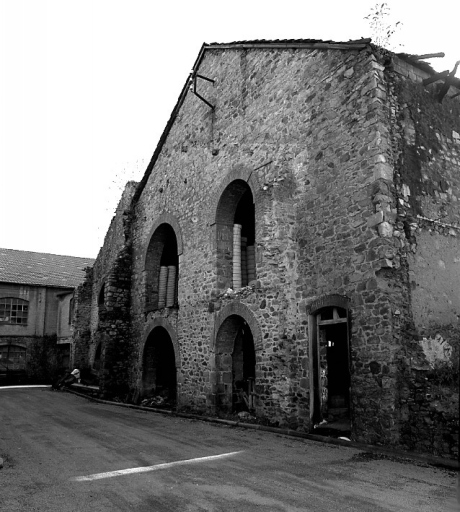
x=60, y=452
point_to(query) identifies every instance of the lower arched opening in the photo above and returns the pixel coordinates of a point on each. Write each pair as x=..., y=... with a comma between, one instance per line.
x=159, y=380
x=235, y=366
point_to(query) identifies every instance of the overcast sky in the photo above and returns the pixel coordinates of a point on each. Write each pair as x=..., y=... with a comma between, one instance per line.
x=87, y=86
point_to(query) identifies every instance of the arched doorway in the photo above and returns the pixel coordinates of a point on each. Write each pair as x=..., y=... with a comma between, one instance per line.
x=235, y=366
x=330, y=364
x=236, y=236
x=159, y=366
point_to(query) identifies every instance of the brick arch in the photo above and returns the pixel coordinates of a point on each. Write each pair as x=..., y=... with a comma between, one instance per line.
x=165, y=218
x=239, y=173
x=162, y=322
x=334, y=299
x=239, y=309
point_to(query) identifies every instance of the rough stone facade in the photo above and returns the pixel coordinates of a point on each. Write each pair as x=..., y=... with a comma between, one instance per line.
x=343, y=172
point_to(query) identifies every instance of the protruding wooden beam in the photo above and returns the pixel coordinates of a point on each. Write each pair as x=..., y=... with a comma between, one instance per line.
x=449, y=80
x=429, y=56
x=436, y=77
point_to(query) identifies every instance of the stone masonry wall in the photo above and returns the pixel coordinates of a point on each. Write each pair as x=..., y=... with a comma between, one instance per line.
x=428, y=228
x=111, y=321
x=352, y=197
x=342, y=250
x=305, y=130
x=114, y=242
x=81, y=332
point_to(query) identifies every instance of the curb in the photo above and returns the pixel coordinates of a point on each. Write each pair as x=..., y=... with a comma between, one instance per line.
x=431, y=460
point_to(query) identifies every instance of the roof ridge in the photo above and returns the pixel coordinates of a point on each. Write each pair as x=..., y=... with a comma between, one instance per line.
x=42, y=269
x=47, y=254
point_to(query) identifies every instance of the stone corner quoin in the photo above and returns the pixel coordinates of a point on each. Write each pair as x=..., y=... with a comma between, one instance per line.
x=295, y=242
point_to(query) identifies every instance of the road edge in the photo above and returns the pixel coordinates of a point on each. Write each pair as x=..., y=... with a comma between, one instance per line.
x=431, y=460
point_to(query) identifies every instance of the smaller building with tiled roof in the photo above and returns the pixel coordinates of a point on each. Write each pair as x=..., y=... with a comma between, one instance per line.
x=42, y=269
x=36, y=309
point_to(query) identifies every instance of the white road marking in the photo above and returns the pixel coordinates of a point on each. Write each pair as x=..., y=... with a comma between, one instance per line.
x=145, y=469
x=25, y=386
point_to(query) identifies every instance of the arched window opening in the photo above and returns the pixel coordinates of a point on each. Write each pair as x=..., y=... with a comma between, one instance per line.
x=235, y=366
x=331, y=370
x=235, y=220
x=161, y=269
x=244, y=263
x=159, y=380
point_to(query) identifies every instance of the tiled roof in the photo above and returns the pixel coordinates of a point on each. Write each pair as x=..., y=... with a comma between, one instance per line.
x=319, y=44
x=256, y=42
x=40, y=269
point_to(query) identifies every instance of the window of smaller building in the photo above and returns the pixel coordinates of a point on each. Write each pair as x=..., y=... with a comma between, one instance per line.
x=71, y=309
x=12, y=357
x=13, y=311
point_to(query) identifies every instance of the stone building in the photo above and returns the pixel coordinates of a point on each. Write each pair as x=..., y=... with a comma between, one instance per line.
x=36, y=305
x=295, y=241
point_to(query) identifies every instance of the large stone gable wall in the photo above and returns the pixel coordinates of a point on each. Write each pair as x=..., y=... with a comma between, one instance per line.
x=321, y=139
x=287, y=122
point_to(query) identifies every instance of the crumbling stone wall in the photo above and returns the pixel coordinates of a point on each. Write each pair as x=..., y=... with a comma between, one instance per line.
x=81, y=332
x=427, y=184
x=304, y=131
x=107, y=306
x=113, y=331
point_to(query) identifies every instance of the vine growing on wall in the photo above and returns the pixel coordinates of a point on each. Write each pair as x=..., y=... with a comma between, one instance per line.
x=447, y=373
x=43, y=364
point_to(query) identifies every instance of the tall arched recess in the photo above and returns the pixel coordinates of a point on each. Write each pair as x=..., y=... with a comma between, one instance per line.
x=161, y=268
x=235, y=236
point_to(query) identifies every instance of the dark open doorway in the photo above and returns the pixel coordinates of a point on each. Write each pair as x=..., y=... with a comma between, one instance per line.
x=331, y=372
x=159, y=366
x=243, y=370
